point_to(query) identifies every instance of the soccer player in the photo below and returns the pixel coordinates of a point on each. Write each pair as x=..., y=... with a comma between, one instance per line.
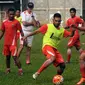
x=53, y=34
x=28, y=23
x=9, y=30
x=19, y=18
x=74, y=40
x=82, y=61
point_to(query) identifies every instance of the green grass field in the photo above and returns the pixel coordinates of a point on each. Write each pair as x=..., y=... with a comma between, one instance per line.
x=71, y=74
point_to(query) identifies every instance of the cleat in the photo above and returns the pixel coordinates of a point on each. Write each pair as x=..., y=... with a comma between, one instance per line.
x=7, y=71
x=28, y=63
x=35, y=75
x=82, y=80
x=20, y=72
x=67, y=62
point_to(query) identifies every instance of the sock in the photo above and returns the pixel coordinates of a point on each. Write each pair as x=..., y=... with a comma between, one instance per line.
x=28, y=59
x=20, y=69
x=69, y=57
x=45, y=65
x=82, y=70
x=59, y=72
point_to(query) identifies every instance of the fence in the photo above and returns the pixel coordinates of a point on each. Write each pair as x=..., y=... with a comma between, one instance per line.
x=2, y=16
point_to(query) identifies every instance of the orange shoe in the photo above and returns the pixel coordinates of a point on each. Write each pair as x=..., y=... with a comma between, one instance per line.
x=27, y=62
x=82, y=80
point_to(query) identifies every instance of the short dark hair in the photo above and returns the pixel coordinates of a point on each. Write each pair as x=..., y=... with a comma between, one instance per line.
x=18, y=10
x=57, y=15
x=73, y=9
x=11, y=9
x=30, y=5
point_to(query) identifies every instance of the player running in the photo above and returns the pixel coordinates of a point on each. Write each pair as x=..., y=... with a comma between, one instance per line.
x=53, y=34
x=74, y=40
x=81, y=60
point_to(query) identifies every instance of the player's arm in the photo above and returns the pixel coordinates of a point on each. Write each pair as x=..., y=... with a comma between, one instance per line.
x=27, y=23
x=1, y=33
x=22, y=34
x=32, y=33
x=68, y=33
x=20, y=29
x=34, y=20
x=81, y=28
x=67, y=25
x=42, y=30
x=24, y=22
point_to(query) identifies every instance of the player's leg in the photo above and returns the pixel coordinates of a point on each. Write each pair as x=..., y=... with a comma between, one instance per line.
x=13, y=50
x=50, y=54
x=71, y=43
x=8, y=64
x=78, y=47
x=28, y=49
x=82, y=68
x=6, y=53
x=68, y=55
x=61, y=68
x=59, y=62
x=20, y=47
x=18, y=64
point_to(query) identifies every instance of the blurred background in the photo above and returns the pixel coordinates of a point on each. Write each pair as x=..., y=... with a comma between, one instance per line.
x=45, y=8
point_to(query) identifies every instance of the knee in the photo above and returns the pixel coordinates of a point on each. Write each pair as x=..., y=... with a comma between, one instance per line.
x=21, y=46
x=69, y=51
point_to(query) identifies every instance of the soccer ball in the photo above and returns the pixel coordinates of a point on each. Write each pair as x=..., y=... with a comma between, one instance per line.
x=58, y=79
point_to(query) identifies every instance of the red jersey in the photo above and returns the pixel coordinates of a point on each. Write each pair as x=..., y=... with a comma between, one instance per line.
x=74, y=21
x=10, y=31
x=44, y=28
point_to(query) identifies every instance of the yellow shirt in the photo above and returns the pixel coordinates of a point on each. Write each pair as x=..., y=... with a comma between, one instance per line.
x=19, y=19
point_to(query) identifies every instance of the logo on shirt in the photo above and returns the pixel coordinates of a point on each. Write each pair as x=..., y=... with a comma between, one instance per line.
x=13, y=25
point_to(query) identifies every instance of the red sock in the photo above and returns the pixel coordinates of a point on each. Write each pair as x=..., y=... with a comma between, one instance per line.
x=69, y=57
x=45, y=65
x=82, y=70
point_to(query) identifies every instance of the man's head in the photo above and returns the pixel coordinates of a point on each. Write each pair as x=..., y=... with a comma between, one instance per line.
x=11, y=14
x=72, y=12
x=30, y=6
x=18, y=12
x=57, y=20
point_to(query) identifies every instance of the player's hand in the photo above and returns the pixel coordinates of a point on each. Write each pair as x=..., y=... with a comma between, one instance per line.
x=73, y=26
x=24, y=38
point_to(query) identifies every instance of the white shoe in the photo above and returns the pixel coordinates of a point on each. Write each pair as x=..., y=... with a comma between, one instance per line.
x=35, y=75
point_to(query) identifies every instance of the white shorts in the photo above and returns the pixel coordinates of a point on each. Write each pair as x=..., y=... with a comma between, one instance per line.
x=29, y=39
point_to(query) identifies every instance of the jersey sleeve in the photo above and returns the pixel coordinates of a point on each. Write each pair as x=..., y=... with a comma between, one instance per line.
x=79, y=20
x=43, y=29
x=66, y=33
x=2, y=27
